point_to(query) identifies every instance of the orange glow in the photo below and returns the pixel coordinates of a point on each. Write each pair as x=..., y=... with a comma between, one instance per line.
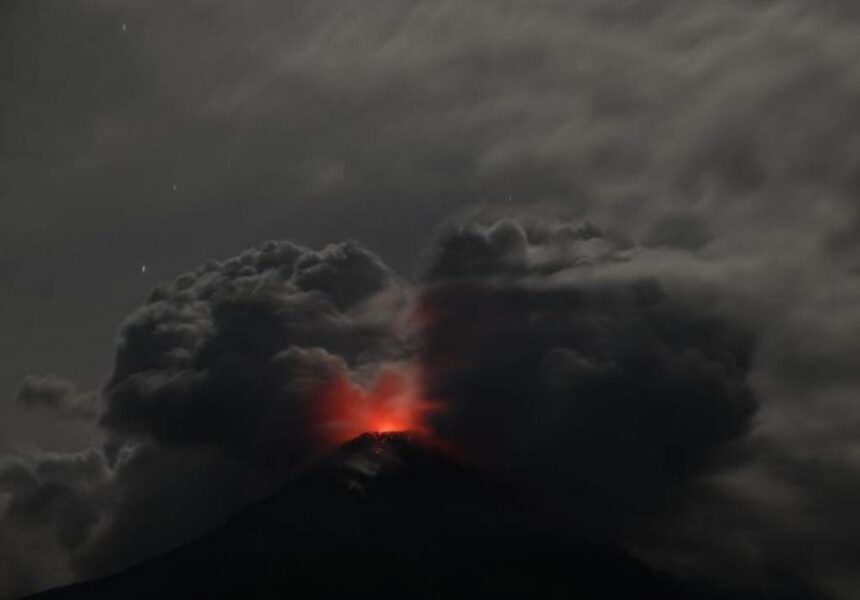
x=392, y=404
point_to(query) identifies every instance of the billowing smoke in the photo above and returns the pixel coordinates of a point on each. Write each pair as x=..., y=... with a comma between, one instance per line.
x=605, y=391
x=231, y=354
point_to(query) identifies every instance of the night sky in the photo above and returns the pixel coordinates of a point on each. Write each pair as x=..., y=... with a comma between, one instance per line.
x=635, y=222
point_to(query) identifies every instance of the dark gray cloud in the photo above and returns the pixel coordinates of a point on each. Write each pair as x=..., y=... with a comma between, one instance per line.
x=192, y=488
x=55, y=393
x=51, y=505
x=48, y=391
x=606, y=392
x=509, y=248
x=231, y=353
x=569, y=358
x=212, y=390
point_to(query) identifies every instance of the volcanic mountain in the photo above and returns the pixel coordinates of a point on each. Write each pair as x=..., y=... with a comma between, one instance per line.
x=390, y=516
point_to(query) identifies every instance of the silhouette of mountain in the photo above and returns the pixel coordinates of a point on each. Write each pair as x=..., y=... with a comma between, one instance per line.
x=389, y=515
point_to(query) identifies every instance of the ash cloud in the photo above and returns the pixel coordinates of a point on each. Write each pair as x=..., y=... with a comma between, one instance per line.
x=55, y=393
x=231, y=353
x=643, y=391
x=51, y=505
x=610, y=390
x=212, y=390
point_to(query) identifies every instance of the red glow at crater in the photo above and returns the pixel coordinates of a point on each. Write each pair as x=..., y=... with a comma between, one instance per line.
x=393, y=403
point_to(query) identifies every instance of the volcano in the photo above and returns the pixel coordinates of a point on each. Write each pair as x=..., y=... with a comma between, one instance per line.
x=389, y=515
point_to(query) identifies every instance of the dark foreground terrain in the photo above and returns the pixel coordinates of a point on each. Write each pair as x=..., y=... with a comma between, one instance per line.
x=388, y=516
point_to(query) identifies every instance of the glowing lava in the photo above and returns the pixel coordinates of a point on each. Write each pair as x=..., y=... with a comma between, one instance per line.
x=392, y=404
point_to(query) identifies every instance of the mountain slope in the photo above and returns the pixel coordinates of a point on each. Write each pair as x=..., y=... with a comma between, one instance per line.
x=389, y=516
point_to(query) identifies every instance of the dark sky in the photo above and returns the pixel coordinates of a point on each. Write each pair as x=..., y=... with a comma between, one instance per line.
x=718, y=139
